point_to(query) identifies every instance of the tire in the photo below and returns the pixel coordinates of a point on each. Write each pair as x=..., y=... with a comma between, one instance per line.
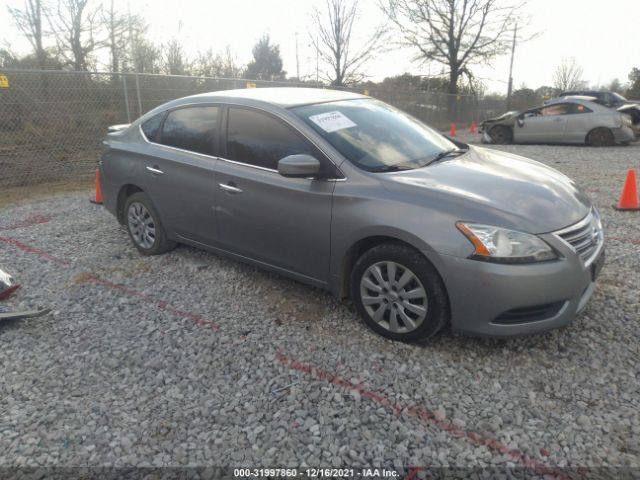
x=501, y=135
x=369, y=294
x=600, y=137
x=144, y=226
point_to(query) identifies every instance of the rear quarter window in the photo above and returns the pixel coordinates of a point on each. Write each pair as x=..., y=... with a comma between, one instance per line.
x=151, y=128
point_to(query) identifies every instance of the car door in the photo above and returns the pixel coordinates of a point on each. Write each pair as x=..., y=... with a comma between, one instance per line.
x=179, y=175
x=544, y=125
x=284, y=222
x=580, y=120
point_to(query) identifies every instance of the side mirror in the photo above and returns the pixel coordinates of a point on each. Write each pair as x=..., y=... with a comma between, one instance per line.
x=520, y=120
x=299, y=166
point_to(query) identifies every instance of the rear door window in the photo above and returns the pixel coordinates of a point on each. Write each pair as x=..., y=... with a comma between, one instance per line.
x=261, y=140
x=192, y=128
x=556, y=109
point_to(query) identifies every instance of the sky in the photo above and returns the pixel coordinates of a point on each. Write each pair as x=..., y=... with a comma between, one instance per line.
x=603, y=40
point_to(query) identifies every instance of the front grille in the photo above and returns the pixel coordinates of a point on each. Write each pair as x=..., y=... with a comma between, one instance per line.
x=529, y=314
x=584, y=237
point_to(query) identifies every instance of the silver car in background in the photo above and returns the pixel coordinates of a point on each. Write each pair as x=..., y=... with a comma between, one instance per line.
x=571, y=120
x=346, y=193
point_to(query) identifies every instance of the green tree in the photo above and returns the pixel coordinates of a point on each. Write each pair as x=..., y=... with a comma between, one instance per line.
x=524, y=98
x=634, y=88
x=266, y=63
x=546, y=92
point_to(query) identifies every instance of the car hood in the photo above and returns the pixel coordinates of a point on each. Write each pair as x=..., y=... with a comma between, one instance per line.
x=490, y=186
x=505, y=116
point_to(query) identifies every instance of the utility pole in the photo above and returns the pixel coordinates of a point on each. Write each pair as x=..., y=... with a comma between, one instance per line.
x=513, y=51
x=317, y=60
x=297, y=60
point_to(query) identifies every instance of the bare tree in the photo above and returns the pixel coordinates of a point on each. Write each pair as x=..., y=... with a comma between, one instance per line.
x=455, y=33
x=616, y=86
x=75, y=24
x=174, y=61
x=208, y=64
x=568, y=75
x=29, y=22
x=145, y=57
x=120, y=30
x=334, y=41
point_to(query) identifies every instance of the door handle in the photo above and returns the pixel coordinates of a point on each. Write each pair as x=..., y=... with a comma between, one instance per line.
x=230, y=188
x=155, y=170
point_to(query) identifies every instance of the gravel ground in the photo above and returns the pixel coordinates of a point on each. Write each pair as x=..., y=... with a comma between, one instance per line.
x=188, y=359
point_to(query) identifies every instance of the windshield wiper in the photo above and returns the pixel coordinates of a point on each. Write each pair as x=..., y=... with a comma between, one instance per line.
x=447, y=153
x=393, y=168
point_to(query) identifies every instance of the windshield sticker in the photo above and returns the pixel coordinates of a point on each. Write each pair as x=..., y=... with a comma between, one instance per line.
x=332, y=121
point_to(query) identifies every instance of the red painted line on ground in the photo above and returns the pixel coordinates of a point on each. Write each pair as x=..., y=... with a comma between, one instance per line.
x=29, y=222
x=9, y=291
x=624, y=240
x=427, y=416
x=36, y=251
x=412, y=410
x=161, y=304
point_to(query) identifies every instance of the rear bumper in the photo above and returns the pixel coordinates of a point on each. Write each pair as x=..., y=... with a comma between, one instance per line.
x=109, y=191
x=497, y=300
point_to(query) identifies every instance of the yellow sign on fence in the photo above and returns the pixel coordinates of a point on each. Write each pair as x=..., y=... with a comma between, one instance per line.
x=4, y=81
x=251, y=85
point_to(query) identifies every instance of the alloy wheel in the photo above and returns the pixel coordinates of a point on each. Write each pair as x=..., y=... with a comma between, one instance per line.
x=141, y=225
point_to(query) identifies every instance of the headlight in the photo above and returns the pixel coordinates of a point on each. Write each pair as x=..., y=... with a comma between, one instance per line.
x=495, y=244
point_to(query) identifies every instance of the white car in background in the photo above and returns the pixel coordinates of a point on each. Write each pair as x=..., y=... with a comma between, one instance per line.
x=576, y=120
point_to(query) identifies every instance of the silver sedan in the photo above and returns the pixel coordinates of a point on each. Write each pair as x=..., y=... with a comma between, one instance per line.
x=574, y=120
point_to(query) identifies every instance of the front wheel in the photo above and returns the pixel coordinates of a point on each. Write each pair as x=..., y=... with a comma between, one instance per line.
x=144, y=226
x=501, y=135
x=398, y=293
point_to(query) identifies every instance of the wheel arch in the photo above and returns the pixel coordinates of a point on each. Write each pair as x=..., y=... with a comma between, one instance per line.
x=364, y=244
x=125, y=192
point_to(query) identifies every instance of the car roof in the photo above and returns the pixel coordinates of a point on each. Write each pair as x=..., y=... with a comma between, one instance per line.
x=573, y=98
x=285, y=97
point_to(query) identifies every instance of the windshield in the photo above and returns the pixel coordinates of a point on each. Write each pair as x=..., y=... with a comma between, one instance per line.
x=618, y=97
x=373, y=135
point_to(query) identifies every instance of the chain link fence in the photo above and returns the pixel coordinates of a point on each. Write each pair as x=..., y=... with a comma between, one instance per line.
x=52, y=123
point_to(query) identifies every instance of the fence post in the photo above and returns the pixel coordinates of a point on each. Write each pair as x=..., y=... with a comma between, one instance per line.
x=126, y=96
x=138, y=93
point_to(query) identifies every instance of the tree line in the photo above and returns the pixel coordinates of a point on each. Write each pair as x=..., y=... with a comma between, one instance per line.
x=452, y=35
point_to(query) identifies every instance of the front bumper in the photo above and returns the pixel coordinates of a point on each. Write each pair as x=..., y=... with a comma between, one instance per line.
x=624, y=134
x=498, y=300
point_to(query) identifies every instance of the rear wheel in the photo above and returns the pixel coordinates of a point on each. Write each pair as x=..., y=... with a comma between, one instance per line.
x=501, y=135
x=398, y=293
x=600, y=137
x=144, y=226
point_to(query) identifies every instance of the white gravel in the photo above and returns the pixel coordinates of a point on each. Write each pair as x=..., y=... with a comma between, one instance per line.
x=190, y=359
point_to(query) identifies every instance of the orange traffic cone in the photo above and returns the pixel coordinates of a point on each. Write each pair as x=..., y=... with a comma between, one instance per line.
x=452, y=130
x=629, y=197
x=472, y=127
x=98, y=200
